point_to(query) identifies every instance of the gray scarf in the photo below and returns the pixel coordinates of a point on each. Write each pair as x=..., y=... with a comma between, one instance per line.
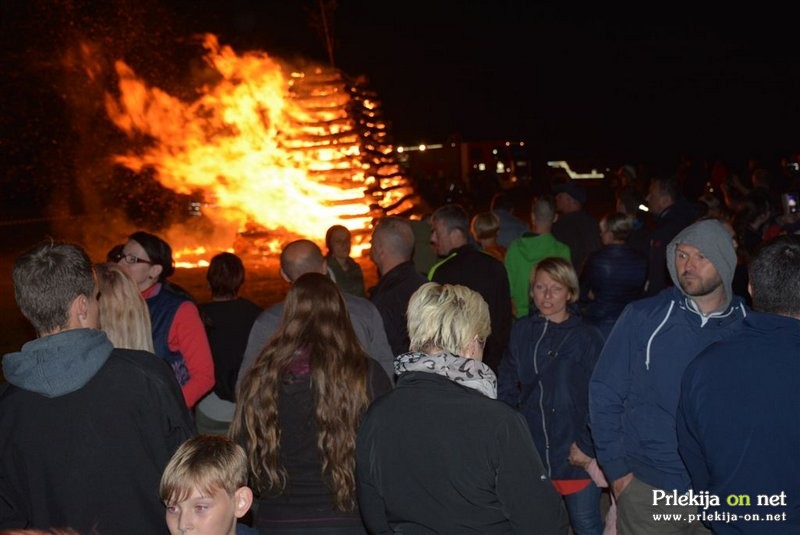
x=467, y=372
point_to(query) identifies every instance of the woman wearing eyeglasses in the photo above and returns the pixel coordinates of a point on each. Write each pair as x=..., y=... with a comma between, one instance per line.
x=178, y=333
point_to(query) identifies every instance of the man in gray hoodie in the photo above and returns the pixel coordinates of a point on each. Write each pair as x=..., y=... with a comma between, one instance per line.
x=85, y=429
x=634, y=390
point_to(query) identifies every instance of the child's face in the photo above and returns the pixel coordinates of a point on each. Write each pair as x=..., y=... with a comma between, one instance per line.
x=213, y=514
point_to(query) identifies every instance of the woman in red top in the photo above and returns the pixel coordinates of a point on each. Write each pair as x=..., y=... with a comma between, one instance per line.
x=178, y=333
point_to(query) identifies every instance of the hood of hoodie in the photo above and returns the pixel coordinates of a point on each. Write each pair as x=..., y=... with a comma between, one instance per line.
x=58, y=364
x=716, y=244
x=532, y=246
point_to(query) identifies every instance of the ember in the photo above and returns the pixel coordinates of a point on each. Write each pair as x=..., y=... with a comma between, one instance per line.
x=273, y=152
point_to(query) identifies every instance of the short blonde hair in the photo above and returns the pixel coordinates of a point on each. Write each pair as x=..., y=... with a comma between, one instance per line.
x=618, y=224
x=485, y=225
x=561, y=271
x=123, y=312
x=446, y=317
x=204, y=462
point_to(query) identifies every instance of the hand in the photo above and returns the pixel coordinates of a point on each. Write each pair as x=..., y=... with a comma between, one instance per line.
x=577, y=457
x=619, y=484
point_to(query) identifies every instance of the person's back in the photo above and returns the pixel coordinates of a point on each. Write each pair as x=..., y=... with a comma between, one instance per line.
x=298, y=411
x=465, y=264
x=510, y=226
x=574, y=226
x=424, y=255
x=613, y=276
x=85, y=429
x=307, y=494
x=228, y=324
x=442, y=420
x=484, y=227
x=487, y=276
x=298, y=258
x=391, y=250
x=526, y=251
x=734, y=432
x=228, y=319
x=439, y=454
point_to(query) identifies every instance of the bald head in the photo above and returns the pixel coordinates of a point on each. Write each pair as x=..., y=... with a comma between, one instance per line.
x=392, y=243
x=300, y=257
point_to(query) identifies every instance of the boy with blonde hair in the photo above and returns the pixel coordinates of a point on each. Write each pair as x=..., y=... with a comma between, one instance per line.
x=204, y=488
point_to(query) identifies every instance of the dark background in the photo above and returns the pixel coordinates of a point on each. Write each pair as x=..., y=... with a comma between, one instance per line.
x=600, y=79
x=601, y=83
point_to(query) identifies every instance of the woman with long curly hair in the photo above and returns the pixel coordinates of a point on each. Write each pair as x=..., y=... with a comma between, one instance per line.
x=298, y=411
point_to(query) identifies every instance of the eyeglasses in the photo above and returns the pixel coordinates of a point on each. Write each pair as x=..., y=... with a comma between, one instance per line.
x=131, y=259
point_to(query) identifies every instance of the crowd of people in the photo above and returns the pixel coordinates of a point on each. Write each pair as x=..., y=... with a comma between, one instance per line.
x=627, y=373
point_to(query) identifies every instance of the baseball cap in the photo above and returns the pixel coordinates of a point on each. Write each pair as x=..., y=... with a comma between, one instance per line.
x=572, y=189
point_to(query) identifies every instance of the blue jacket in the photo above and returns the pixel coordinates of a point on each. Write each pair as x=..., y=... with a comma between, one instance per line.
x=615, y=275
x=739, y=424
x=163, y=306
x=545, y=374
x=633, y=394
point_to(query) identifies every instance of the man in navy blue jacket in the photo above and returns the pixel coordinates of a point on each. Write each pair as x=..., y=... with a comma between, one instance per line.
x=738, y=418
x=633, y=393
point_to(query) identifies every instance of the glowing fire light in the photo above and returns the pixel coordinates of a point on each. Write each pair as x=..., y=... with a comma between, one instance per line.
x=265, y=148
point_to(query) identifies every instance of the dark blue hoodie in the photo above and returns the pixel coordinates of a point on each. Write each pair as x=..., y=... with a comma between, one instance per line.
x=545, y=374
x=739, y=423
x=633, y=393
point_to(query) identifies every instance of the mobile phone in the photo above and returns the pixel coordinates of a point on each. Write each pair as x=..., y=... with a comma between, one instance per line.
x=789, y=201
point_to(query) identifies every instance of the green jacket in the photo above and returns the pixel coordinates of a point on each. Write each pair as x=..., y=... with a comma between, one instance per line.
x=521, y=256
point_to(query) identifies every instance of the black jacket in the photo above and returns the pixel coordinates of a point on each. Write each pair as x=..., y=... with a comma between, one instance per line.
x=545, y=374
x=437, y=457
x=615, y=275
x=88, y=455
x=668, y=224
x=228, y=325
x=390, y=296
x=486, y=275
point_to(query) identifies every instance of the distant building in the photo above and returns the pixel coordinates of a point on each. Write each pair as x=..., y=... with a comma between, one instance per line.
x=450, y=171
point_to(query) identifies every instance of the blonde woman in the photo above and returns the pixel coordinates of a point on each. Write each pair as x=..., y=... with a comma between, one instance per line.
x=438, y=454
x=123, y=312
x=545, y=375
x=484, y=228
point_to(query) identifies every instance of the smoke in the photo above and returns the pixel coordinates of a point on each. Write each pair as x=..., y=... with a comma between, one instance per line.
x=55, y=135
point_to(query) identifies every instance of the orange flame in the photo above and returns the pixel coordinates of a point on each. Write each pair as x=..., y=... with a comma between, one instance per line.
x=263, y=146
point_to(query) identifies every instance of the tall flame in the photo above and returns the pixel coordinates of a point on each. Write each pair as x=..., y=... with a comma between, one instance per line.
x=264, y=147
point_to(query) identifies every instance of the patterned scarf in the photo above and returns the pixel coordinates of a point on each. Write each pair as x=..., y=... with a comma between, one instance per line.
x=467, y=372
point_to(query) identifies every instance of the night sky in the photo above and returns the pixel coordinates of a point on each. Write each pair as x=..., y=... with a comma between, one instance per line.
x=601, y=83
x=597, y=81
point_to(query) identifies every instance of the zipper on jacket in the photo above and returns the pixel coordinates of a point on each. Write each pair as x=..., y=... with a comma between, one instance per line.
x=541, y=400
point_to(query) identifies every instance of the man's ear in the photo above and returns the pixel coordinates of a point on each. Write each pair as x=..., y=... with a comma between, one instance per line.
x=285, y=277
x=78, y=312
x=750, y=289
x=242, y=500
